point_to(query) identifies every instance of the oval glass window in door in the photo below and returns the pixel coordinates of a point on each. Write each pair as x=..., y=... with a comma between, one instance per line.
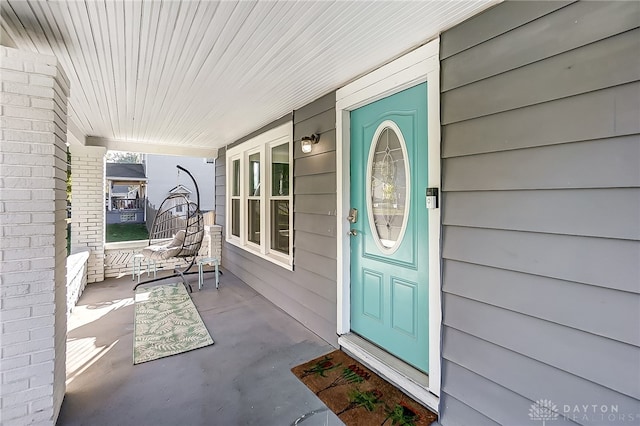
x=388, y=187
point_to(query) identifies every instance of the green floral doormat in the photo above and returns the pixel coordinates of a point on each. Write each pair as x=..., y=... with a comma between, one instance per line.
x=166, y=323
x=358, y=396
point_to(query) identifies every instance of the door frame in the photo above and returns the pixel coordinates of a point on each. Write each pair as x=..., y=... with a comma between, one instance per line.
x=415, y=67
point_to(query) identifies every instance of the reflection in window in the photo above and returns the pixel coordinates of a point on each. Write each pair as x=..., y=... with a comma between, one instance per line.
x=235, y=217
x=280, y=170
x=235, y=198
x=236, y=179
x=279, y=229
x=254, y=221
x=254, y=175
x=280, y=225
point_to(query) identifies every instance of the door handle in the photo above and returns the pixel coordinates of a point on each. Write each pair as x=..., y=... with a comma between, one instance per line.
x=352, y=233
x=353, y=215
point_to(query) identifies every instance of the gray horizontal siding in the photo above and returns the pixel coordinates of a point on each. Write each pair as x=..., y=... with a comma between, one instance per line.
x=523, y=376
x=316, y=244
x=316, y=224
x=309, y=292
x=494, y=22
x=313, y=311
x=595, y=115
x=570, y=350
x=317, y=163
x=596, y=261
x=322, y=204
x=596, y=21
x=270, y=277
x=606, y=63
x=316, y=184
x=541, y=211
x=568, y=212
x=602, y=163
x=464, y=415
x=591, y=309
x=488, y=399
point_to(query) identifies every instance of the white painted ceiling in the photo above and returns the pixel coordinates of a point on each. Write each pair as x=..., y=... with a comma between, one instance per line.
x=205, y=73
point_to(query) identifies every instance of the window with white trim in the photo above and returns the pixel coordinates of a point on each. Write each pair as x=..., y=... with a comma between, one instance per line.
x=259, y=213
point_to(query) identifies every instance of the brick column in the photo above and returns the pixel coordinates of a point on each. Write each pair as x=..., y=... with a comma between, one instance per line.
x=33, y=323
x=88, y=207
x=215, y=240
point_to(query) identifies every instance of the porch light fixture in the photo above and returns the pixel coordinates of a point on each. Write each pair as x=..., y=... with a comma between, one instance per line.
x=308, y=141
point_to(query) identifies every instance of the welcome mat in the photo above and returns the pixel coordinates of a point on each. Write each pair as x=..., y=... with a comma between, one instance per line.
x=358, y=396
x=166, y=323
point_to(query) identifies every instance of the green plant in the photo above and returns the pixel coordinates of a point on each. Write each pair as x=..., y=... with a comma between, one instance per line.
x=367, y=399
x=401, y=415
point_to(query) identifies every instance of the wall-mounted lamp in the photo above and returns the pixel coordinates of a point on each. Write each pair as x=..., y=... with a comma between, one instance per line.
x=308, y=141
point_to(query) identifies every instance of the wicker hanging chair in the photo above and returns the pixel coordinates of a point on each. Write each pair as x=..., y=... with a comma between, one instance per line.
x=177, y=232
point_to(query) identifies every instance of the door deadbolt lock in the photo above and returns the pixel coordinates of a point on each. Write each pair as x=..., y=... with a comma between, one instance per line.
x=353, y=233
x=353, y=215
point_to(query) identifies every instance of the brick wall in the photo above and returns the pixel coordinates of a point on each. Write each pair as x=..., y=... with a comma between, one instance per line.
x=88, y=206
x=76, y=277
x=33, y=99
x=215, y=240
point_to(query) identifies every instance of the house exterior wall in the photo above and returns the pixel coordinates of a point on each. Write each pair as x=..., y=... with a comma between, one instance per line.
x=162, y=177
x=308, y=293
x=33, y=115
x=541, y=213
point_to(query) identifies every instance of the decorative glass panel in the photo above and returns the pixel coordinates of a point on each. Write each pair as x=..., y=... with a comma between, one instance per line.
x=280, y=170
x=280, y=225
x=254, y=175
x=236, y=179
x=235, y=217
x=254, y=221
x=388, y=187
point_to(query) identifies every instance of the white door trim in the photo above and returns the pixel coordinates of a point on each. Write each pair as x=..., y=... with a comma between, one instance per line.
x=407, y=71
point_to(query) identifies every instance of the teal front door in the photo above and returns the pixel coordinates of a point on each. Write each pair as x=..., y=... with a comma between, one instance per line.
x=389, y=234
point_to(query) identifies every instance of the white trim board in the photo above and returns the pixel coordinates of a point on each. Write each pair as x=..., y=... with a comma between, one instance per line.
x=150, y=148
x=407, y=71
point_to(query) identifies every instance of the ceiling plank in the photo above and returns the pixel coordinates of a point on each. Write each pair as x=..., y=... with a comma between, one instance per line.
x=104, y=76
x=133, y=10
x=204, y=73
x=174, y=60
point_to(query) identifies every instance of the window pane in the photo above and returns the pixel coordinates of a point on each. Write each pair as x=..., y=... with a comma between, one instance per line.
x=254, y=221
x=235, y=217
x=236, y=178
x=280, y=225
x=388, y=188
x=280, y=170
x=254, y=174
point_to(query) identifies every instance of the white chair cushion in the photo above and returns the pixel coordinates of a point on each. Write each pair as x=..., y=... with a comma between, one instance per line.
x=165, y=251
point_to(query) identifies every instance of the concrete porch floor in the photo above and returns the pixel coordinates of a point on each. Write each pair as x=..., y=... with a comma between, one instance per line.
x=243, y=379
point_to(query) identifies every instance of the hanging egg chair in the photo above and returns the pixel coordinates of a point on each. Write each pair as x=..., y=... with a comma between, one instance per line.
x=177, y=232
